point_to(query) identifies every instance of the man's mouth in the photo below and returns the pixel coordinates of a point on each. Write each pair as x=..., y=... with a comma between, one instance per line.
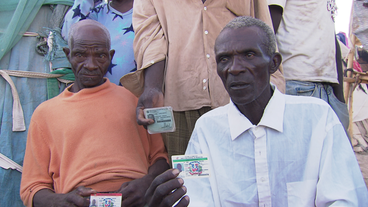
x=89, y=75
x=238, y=85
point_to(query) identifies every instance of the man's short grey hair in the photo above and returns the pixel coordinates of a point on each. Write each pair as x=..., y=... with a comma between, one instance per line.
x=246, y=21
x=84, y=22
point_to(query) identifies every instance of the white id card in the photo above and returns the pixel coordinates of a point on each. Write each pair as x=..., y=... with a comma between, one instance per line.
x=163, y=117
x=191, y=166
x=105, y=200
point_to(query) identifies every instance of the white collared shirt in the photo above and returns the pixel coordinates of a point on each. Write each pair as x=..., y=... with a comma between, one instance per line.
x=298, y=155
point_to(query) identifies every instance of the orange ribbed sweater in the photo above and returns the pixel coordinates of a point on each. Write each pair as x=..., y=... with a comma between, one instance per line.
x=90, y=138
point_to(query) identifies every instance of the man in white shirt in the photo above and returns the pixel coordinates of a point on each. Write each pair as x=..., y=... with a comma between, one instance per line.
x=265, y=148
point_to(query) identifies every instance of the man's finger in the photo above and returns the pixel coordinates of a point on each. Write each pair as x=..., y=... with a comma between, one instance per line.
x=77, y=200
x=84, y=192
x=184, y=201
x=141, y=120
x=164, y=177
x=175, y=196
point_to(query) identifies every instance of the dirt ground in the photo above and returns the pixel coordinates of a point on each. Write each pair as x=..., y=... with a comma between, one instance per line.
x=363, y=162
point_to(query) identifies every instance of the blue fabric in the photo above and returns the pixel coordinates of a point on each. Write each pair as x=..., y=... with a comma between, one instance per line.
x=322, y=91
x=32, y=92
x=121, y=33
x=15, y=18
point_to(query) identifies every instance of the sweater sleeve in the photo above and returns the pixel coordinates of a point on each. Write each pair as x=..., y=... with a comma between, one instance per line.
x=157, y=148
x=35, y=174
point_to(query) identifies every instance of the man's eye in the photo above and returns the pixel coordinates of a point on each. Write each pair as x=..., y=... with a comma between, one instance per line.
x=78, y=55
x=103, y=56
x=224, y=59
x=249, y=54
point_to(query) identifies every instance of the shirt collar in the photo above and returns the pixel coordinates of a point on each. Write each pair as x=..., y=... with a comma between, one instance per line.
x=273, y=116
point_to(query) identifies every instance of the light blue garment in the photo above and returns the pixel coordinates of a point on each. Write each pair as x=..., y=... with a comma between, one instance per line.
x=322, y=91
x=298, y=155
x=32, y=92
x=15, y=18
x=121, y=33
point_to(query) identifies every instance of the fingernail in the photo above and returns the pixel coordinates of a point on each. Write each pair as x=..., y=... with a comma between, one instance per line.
x=184, y=188
x=186, y=198
x=181, y=181
x=175, y=172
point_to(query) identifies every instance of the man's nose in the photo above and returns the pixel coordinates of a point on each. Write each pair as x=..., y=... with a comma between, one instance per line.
x=90, y=63
x=237, y=66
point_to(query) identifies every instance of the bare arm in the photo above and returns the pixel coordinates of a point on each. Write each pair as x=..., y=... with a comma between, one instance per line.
x=152, y=95
x=78, y=197
x=276, y=15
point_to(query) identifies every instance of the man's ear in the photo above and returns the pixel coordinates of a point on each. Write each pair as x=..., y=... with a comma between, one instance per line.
x=112, y=53
x=67, y=52
x=275, y=62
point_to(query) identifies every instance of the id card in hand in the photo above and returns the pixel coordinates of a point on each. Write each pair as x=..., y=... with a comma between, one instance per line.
x=191, y=166
x=105, y=200
x=163, y=117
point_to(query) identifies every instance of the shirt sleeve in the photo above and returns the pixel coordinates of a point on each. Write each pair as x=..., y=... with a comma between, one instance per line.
x=150, y=44
x=340, y=179
x=35, y=174
x=80, y=10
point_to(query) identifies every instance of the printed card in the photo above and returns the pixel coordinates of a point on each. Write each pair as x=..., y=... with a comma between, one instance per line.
x=191, y=166
x=105, y=200
x=163, y=117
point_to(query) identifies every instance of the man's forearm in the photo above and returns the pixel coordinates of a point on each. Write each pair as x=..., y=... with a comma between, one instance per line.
x=276, y=16
x=43, y=198
x=78, y=197
x=154, y=75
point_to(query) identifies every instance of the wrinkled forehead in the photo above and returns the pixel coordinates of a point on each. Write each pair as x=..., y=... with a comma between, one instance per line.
x=239, y=37
x=90, y=36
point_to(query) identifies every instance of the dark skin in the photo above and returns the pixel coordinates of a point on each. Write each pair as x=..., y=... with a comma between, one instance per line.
x=245, y=69
x=166, y=189
x=90, y=56
x=122, y=5
x=152, y=95
x=276, y=15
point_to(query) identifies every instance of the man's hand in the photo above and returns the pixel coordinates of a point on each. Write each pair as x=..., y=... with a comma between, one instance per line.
x=166, y=189
x=151, y=97
x=133, y=192
x=78, y=197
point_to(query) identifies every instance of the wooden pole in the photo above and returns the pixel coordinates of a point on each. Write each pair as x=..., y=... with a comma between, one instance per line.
x=348, y=91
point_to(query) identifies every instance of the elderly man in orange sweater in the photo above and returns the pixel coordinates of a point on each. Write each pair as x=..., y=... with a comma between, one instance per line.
x=86, y=140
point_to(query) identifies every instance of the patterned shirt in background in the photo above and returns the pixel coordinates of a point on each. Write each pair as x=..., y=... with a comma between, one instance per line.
x=121, y=32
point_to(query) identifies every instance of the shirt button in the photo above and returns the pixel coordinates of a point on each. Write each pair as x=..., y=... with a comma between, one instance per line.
x=263, y=179
x=208, y=55
x=204, y=80
x=205, y=8
x=204, y=87
x=206, y=32
x=152, y=62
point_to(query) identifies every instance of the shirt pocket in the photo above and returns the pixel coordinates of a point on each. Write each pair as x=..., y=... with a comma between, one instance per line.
x=301, y=194
x=241, y=8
